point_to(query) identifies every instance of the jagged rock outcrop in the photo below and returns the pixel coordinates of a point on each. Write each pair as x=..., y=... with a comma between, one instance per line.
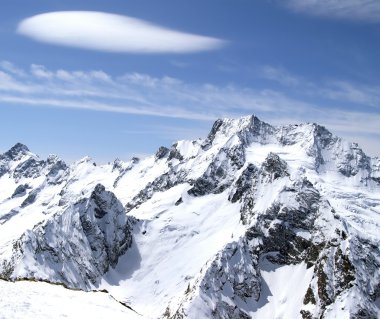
x=162, y=152
x=231, y=282
x=274, y=167
x=56, y=170
x=220, y=173
x=20, y=190
x=31, y=198
x=75, y=247
x=160, y=184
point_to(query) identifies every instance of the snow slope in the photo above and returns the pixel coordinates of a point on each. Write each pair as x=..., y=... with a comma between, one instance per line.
x=26, y=299
x=253, y=221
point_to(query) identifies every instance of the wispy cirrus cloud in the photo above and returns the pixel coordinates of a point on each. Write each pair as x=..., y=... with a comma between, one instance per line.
x=328, y=89
x=280, y=75
x=355, y=10
x=339, y=90
x=112, y=33
x=143, y=94
x=11, y=68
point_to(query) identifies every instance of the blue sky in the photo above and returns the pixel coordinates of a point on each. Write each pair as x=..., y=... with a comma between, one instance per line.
x=119, y=78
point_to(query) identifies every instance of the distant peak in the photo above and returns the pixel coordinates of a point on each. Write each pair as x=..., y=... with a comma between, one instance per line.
x=226, y=125
x=20, y=147
x=240, y=122
x=17, y=151
x=248, y=128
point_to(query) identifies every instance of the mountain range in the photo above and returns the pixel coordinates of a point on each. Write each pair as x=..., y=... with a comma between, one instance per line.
x=253, y=221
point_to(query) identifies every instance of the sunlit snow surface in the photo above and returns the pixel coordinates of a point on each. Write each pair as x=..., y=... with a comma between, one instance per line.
x=41, y=300
x=173, y=244
x=283, y=290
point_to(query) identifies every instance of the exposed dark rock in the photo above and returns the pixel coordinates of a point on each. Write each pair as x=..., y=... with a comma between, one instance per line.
x=179, y=202
x=117, y=165
x=30, y=199
x=174, y=153
x=344, y=271
x=20, y=190
x=244, y=183
x=8, y=216
x=135, y=160
x=322, y=281
x=309, y=297
x=245, y=187
x=323, y=136
x=16, y=152
x=100, y=200
x=162, y=152
x=30, y=168
x=205, y=186
x=365, y=314
x=306, y=314
x=220, y=173
x=274, y=167
x=160, y=184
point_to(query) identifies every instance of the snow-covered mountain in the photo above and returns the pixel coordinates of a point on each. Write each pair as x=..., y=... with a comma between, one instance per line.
x=253, y=221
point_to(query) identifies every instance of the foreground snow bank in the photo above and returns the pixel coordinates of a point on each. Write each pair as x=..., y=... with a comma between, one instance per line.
x=24, y=299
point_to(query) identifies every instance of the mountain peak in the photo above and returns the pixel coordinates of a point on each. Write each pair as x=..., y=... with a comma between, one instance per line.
x=17, y=151
x=247, y=127
x=238, y=124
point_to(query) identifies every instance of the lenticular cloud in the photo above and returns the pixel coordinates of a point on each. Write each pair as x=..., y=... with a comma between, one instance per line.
x=113, y=33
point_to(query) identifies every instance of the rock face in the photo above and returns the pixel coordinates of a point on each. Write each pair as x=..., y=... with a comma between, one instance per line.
x=75, y=247
x=20, y=190
x=254, y=221
x=220, y=173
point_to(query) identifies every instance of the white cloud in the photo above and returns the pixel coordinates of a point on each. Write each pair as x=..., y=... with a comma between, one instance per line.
x=356, y=10
x=112, y=33
x=11, y=68
x=280, y=75
x=8, y=83
x=40, y=71
x=334, y=90
x=136, y=93
x=346, y=91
